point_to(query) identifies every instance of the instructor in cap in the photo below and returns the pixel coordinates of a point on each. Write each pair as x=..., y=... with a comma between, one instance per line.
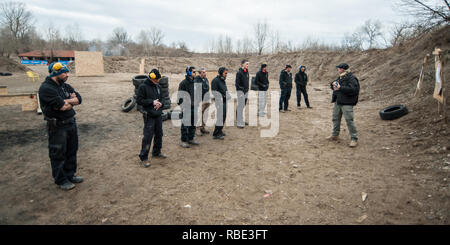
x=57, y=99
x=345, y=97
x=149, y=97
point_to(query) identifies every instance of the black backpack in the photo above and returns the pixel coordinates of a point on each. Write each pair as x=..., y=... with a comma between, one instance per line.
x=254, y=86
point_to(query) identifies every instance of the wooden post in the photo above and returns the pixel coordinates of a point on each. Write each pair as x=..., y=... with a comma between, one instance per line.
x=142, y=66
x=418, y=91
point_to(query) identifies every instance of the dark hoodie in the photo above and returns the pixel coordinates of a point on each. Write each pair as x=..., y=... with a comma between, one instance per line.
x=262, y=80
x=349, y=91
x=188, y=85
x=301, y=78
x=146, y=94
x=242, y=79
x=52, y=96
x=285, y=79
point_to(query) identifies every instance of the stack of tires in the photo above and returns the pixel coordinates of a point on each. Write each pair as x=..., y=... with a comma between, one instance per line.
x=164, y=83
x=129, y=104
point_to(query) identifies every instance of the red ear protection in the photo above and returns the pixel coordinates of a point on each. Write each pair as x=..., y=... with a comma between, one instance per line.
x=245, y=70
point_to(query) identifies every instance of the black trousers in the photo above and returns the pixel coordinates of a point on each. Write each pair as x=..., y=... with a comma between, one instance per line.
x=63, y=147
x=188, y=128
x=241, y=103
x=302, y=90
x=220, y=123
x=284, y=99
x=152, y=128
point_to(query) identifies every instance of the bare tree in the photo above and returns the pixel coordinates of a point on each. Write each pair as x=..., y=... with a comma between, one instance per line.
x=18, y=21
x=371, y=31
x=352, y=42
x=247, y=46
x=261, y=30
x=73, y=37
x=275, y=43
x=156, y=36
x=120, y=36
x=228, y=45
x=430, y=13
x=144, y=41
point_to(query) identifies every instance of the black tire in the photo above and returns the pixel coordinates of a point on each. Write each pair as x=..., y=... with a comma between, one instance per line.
x=5, y=74
x=140, y=108
x=164, y=85
x=175, y=115
x=165, y=94
x=165, y=116
x=164, y=89
x=164, y=80
x=393, y=112
x=129, y=104
x=138, y=80
x=167, y=105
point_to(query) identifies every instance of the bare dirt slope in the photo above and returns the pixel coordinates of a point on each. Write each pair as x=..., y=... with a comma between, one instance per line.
x=311, y=180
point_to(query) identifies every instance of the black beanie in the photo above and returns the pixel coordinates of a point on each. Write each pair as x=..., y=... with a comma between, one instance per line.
x=222, y=70
x=156, y=72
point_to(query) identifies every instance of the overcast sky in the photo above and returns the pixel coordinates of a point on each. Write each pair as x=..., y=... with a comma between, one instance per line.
x=198, y=21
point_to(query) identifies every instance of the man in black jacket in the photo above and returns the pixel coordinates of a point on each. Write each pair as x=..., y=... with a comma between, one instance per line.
x=301, y=80
x=219, y=88
x=150, y=98
x=262, y=80
x=286, y=87
x=242, y=82
x=57, y=99
x=345, y=96
x=206, y=97
x=192, y=91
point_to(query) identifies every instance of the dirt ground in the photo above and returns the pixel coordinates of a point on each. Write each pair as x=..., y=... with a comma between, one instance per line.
x=297, y=177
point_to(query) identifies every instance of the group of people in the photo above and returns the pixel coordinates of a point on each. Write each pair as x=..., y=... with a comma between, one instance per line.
x=57, y=100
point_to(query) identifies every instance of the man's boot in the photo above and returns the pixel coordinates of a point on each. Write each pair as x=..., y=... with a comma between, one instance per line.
x=353, y=143
x=203, y=130
x=332, y=138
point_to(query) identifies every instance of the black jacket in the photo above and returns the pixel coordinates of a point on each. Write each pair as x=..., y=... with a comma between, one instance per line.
x=218, y=84
x=146, y=94
x=242, y=79
x=349, y=91
x=301, y=78
x=285, y=79
x=205, y=87
x=188, y=85
x=52, y=96
x=262, y=80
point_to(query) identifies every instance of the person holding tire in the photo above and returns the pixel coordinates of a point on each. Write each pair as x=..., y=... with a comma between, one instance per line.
x=345, y=97
x=150, y=98
x=57, y=99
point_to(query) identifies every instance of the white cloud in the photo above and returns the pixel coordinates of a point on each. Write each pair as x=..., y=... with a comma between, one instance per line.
x=198, y=21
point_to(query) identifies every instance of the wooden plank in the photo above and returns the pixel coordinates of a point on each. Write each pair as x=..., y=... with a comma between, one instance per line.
x=39, y=110
x=3, y=90
x=28, y=101
x=88, y=64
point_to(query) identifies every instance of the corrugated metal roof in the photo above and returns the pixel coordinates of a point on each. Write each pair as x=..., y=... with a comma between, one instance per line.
x=47, y=53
